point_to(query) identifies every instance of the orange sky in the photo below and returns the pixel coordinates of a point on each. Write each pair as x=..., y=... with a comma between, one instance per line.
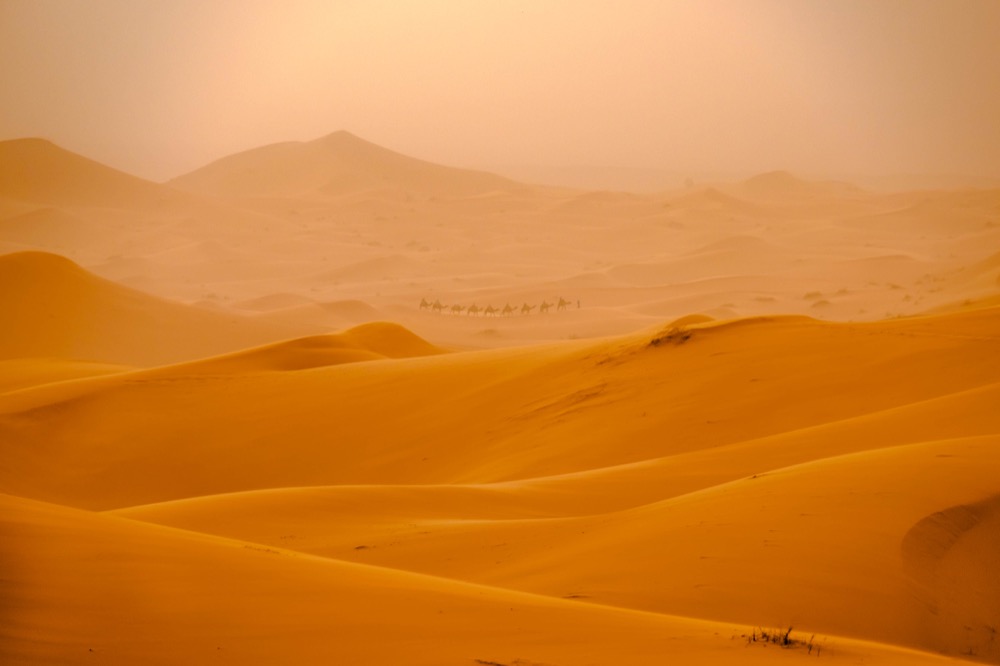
x=824, y=87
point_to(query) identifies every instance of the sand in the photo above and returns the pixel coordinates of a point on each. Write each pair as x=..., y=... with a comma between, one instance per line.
x=322, y=402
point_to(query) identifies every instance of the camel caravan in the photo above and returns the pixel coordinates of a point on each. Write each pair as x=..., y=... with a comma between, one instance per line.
x=507, y=310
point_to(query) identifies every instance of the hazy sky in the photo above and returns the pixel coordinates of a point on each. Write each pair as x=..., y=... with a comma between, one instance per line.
x=160, y=87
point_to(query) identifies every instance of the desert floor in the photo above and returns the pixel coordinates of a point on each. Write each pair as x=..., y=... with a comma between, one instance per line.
x=324, y=403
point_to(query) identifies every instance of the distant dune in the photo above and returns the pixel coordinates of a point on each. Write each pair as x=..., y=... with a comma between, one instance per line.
x=38, y=171
x=340, y=219
x=782, y=184
x=335, y=164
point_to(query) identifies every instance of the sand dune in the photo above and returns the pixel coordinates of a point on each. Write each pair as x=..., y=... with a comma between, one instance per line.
x=335, y=164
x=702, y=553
x=784, y=185
x=565, y=397
x=404, y=229
x=40, y=172
x=63, y=311
x=47, y=226
x=709, y=511
x=368, y=342
x=277, y=301
x=139, y=592
x=640, y=427
x=19, y=373
x=333, y=315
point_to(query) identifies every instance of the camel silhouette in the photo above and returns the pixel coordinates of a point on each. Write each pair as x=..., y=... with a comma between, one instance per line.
x=508, y=310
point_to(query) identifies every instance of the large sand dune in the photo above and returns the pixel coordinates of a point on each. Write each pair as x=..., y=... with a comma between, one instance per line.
x=210, y=600
x=64, y=311
x=712, y=458
x=321, y=402
x=335, y=164
x=38, y=171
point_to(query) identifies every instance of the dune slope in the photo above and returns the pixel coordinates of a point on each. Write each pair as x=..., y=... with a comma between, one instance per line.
x=65, y=311
x=40, y=172
x=734, y=471
x=255, y=455
x=91, y=587
x=486, y=416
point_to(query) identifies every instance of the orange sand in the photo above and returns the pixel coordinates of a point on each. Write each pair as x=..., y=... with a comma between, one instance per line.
x=230, y=432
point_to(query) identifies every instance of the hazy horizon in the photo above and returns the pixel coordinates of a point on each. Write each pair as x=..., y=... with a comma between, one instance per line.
x=846, y=89
x=302, y=400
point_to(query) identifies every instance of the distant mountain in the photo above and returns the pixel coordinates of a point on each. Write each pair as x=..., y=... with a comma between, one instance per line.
x=38, y=171
x=339, y=163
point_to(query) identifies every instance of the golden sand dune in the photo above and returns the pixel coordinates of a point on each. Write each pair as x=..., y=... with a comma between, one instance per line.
x=533, y=412
x=964, y=415
x=142, y=593
x=677, y=419
x=705, y=553
x=692, y=469
x=64, y=311
x=367, y=342
x=22, y=373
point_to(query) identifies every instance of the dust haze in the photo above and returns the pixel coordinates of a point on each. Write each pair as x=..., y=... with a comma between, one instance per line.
x=856, y=90
x=513, y=334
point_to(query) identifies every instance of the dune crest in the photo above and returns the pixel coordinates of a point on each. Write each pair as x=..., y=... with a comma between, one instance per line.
x=367, y=342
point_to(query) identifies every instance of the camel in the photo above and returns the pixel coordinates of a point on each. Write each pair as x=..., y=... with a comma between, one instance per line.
x=457, y=309
x=544, y=307
x=490, y=311
x=562, y=304
x=508, y=310
x=473, y=310
x=424, y=305
x=436, y=306
x=526, y=309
